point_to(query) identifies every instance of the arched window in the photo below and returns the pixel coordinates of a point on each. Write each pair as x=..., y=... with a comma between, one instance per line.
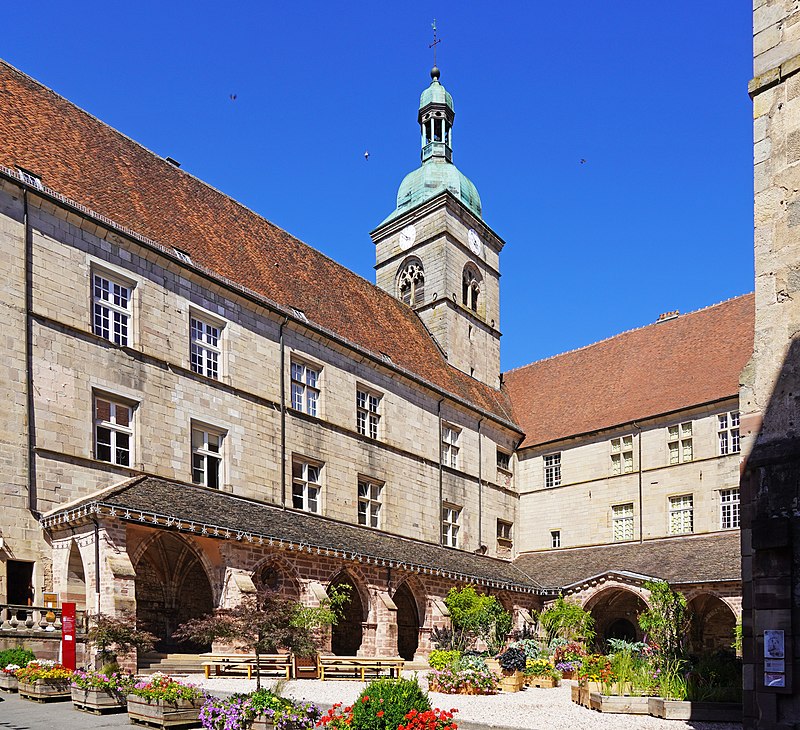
x=411, y=283
x=470, y=288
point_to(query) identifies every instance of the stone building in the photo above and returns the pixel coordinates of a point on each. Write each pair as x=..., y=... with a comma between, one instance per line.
x=190, y=414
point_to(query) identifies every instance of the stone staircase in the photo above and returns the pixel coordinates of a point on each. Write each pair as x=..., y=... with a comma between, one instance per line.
x=172, y=664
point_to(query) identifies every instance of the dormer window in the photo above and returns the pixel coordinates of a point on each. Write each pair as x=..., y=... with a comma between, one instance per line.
x=470, y=288
x=411, y=283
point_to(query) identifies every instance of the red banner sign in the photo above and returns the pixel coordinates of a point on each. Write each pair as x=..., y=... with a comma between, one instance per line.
x=68, y=635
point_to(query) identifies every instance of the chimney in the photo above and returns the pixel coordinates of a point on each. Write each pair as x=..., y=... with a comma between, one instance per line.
x=666, y=316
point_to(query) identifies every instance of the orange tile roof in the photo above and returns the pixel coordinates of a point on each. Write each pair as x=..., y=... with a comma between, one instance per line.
x=693, y=359
x=88, y=162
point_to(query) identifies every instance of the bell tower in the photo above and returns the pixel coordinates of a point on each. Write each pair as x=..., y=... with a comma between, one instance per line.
x=436, y=253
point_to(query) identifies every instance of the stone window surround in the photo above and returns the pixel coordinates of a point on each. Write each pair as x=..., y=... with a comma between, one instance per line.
x=504, y=460
x=680, y=445
x=680, y=514
x=114, y=428
x=411, y=282
x=729, y=509
x=555, y=538
x=552, y=469
x=307, y=484
x=451, y=516
x=205, y=354
x=622, y=455
x=370, y=497
x=203, y=455
x=368, y=411
x=305, y=383
x=103, y=310
x=505, y=533
x=450, y=437
x=622, y=525
x=728, y=438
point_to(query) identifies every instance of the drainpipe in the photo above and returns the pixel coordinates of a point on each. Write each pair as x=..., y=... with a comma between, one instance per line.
x=96, y=566
x=480, y=485
x=441, y=472
x=31, y=413
x=641, y=505
x=283, y=414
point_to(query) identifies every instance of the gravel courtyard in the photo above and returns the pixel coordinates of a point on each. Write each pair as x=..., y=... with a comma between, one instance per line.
x=531, y=709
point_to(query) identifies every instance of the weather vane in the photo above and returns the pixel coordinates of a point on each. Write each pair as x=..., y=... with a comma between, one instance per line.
x=436, y=41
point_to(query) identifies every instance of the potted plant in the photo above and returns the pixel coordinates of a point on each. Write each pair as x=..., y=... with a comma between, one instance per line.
x=10, y=661
x=98, y=692
x=8, y=678
x=540, y=673
x=512, y=664
x=43, y=680
x=163, y=702
x=266, y=710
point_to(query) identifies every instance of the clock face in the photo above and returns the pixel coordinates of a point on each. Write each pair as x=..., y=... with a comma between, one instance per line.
x=475, y=242
x=407, y=237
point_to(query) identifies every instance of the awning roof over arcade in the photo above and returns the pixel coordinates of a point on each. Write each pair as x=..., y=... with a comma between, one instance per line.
x=678, y=560
x=209, y=513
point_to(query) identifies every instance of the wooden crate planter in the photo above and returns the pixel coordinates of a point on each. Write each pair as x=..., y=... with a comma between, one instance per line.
x=8, y=682
x=43, y=691
x=619, y=704
x=512, y=682
x=494, y=667
x=97, y=700
x=542, y=682
x=697, y=711
x=160, y=714
x=261, y=723
x=581, y=694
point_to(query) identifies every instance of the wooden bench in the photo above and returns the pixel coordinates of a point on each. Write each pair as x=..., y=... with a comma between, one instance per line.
x=278, y=663
x=349, y=667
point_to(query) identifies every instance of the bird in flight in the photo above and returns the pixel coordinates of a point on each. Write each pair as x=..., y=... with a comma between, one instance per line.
x=583, y=162
x=233, y=97
x=366, y=155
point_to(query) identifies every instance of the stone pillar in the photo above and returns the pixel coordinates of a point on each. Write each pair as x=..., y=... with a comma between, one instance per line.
x=770, y=383
x=386, y=628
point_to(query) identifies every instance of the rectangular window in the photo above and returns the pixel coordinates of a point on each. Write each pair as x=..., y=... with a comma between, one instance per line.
x=503, y=460
x=552, y=470
x=206, y=457
x=555, y=538
x=305, y=388
x=622, y=455
x=367, y=413
x=204, y=347
x=369, y=503
x=680, y=443
x=113, y=431
x=729, y=509
x=728, y=433
x=450, y=435
x=622, y=522
x=681, y=514
x=111, y=309
x=450, y=517
x=504, y=533
x=305, y=486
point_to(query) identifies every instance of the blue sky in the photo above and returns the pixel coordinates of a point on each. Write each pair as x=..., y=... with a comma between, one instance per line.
x=652, y=95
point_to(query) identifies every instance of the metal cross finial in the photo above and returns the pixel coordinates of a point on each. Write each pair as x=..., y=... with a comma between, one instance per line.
x=436, y=41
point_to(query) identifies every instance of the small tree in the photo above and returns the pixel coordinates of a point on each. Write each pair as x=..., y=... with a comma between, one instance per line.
x=266, y=622
x=475, y=615
x=666, y=622
x=566, y=620
x=117, y=635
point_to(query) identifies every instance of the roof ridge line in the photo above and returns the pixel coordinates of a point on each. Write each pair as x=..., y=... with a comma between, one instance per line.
x=625, y=332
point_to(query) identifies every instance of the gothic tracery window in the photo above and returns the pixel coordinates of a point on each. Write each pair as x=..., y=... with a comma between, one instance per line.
x=470, y=289
x=411, y=283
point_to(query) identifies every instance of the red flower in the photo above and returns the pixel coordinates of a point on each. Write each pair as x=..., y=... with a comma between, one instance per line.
x=379, y=713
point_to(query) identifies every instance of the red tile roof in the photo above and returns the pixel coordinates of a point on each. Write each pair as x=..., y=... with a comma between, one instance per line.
x=87, y=161
x=693, y=359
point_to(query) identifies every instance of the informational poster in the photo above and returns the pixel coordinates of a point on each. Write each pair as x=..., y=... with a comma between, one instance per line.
x=50, y=600
x=773, y=645
x=774, y=658
x=68, y=635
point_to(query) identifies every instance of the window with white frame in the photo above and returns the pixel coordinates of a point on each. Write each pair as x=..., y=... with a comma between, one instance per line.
x=206, y=457
x=729, y=509
x=450, y=527
x=505, y=532
x=552, y=470
x=622, y=522
x=622, y=455
x=305, y=388
x=368, y=416
x=204, y=347
x=679, y=442
x=369, y=503
x=111, y=309
x=113, y=431
x=555, y=538
x=681, y=514
x=306, y=486
x=450, y=436
x=728, y=433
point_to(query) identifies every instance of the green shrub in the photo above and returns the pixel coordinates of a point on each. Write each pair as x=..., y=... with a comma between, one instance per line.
x=439, y=659
x=384, y=703
x=18, y=656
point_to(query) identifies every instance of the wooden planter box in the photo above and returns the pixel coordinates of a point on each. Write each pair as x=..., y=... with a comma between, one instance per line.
x=261, y=723
x=43, y=691
x=164, y=714
x=512, y=682
x=620, y=704
x=581, y=694
x=542, y=682
x=97, y=700
x=698, y=711
x=306, y=668
x=8, y=682
x=494, y=667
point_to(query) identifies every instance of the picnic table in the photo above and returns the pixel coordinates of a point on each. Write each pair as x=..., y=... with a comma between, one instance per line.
x=222, y=663
x=347, y=667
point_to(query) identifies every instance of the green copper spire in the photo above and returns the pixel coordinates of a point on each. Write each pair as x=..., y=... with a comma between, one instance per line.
x=437, y=172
